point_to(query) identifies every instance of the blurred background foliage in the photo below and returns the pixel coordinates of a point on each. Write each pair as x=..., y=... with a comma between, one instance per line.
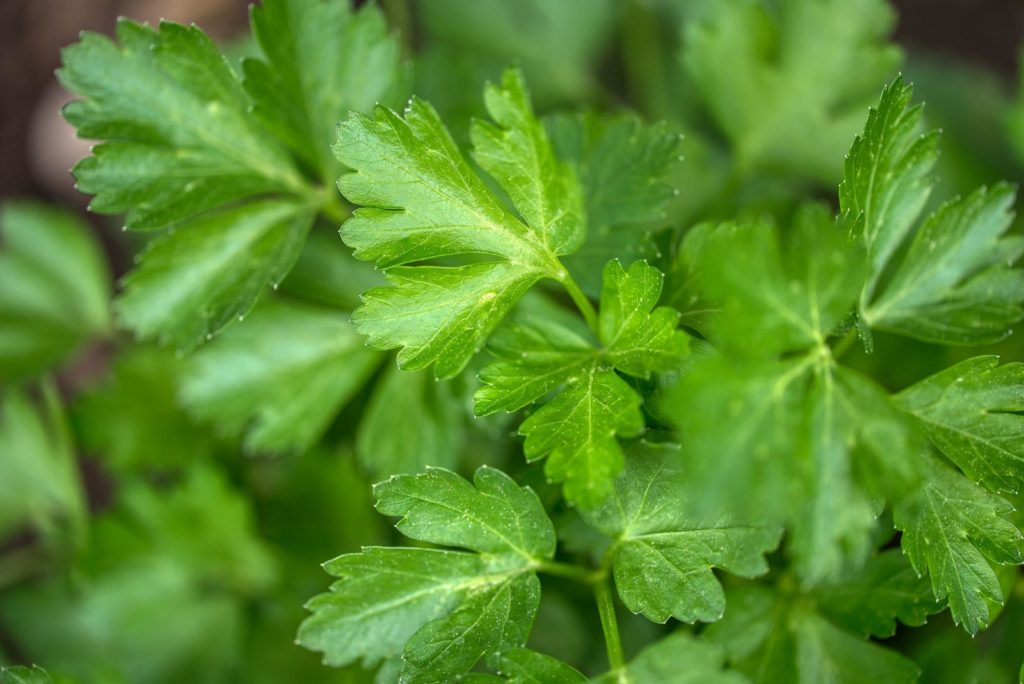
x=163, y=517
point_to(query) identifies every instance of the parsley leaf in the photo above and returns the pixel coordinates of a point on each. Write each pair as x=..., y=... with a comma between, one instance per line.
x=577, y=432
x=678, y=658
x=817, y=445
x=871, y=599
x=181, y=137
x=956, y=531
x=24, y=675
x=577, y=428
x=787, y=295
x=181, y=142
x=322, y=60
x=777, y=637
x=54, y=288
x=39, y=484
x=523, y=666
x=788, y=84
x=952, y=282
x=279, y=377
x=441, y=610
x=411, y=422
x=622, y=164
x=126, y=418
x=421, y=201
x=662, y=558
x=161, y=588
x=970, y=412
x=217, y=265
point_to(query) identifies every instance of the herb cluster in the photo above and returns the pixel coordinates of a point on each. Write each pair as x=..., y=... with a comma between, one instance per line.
x=622, y=370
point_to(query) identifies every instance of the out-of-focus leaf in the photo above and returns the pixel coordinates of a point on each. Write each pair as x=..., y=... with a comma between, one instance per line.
x=54, y=289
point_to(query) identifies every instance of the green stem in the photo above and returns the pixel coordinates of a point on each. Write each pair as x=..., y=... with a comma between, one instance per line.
x=577, y=573
x=581, y=301
x=843, y=345
x=609, y=625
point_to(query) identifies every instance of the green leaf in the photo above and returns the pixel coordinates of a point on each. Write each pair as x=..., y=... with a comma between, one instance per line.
x=523, y=666
x=39, y=483
x=421, y=201
x=495, y=517
x=637, y=337
x=788, y=84
x=558, y=46
x=159, y=593
x=956, y=531
x=577, y=432
x=810, y=445
x=411, y=422
x=321, y=60
x=24, y=675
x=280, y=377
x=441, y=610
x=536, y=353
x=54, y=289
x=971, y=413
x=777, y=638
x=869, y=600
x=622, y=165
x=182, y=140
x=203, y=524
x=785, y=295
x=195, y=281
x=956, y=285
x=949, y=280
x=678, y=658
x=885, y=179
x=662, y=558
x=577, y=428
x=126, y=418
x=516, y=152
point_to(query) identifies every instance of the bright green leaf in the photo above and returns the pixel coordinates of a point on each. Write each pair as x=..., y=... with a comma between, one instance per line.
x=951, y=281
x=637, y=337
x=193, y=282
x=956, y=530
x=661, y=558
x=182, y=138
x=577, y=432
x=971, y=413
x=322, y=60
x=955, y=284
x=885, y=180
x=182, y=141
x=523, y=666
x=280, y=377
x=442, y=610
x=421, y=200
